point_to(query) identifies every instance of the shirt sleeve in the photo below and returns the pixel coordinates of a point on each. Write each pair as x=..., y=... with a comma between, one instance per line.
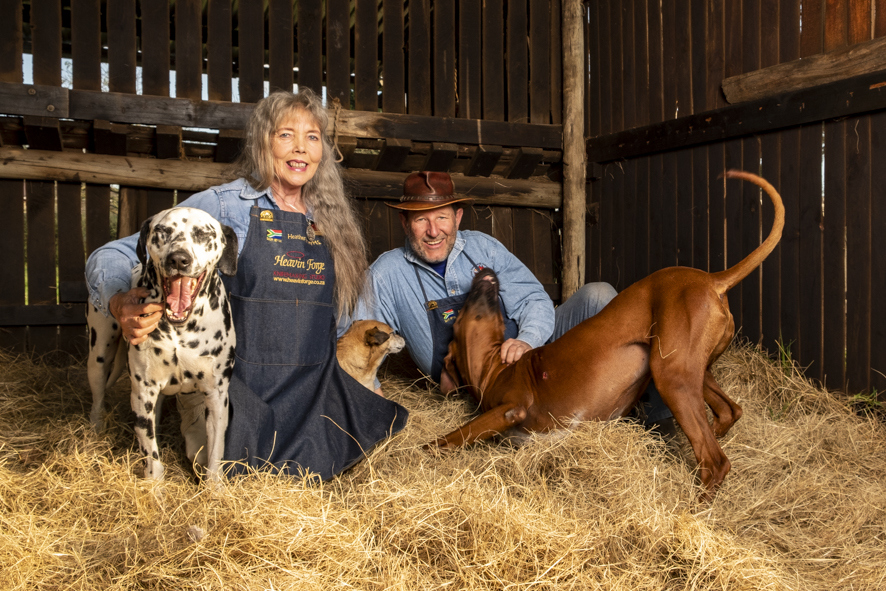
x=525, y=299
x=109, y=268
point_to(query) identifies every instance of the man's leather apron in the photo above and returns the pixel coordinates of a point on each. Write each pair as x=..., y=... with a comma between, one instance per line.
x=293, y=407
x=441, y=318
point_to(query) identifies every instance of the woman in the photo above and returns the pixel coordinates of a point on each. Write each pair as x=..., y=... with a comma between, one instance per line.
x=292, y=407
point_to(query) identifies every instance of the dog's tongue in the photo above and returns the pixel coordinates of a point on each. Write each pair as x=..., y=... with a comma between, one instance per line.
x=180, y=294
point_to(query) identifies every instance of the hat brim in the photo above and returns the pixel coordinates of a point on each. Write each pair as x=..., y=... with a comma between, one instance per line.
x=426, y=205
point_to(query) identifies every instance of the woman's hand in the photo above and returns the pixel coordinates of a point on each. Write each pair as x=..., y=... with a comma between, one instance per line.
x=137, y=319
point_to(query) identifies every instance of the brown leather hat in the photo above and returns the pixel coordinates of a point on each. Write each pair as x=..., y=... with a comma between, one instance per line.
x=427, y=190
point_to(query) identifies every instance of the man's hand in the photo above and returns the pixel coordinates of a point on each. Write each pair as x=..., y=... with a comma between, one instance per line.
x=512, y=350
x=137, y=319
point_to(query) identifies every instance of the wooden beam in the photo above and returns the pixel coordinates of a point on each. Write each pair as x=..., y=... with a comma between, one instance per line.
x=87, y=105
x=44, y=315
x=18, y=163
x=574, y=164
x=824, y=68
x=861, y=94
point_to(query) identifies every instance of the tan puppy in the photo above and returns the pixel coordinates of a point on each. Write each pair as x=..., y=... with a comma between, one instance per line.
x=364, y=346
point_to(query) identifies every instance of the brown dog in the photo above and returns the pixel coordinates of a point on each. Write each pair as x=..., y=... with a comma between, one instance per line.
x=364, y=346
x=670, y=327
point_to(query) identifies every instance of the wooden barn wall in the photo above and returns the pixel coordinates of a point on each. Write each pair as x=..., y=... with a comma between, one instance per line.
x=651, y=61
x=496, y=61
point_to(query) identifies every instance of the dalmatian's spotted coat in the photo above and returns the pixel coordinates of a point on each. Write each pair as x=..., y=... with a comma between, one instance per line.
x=191, y=352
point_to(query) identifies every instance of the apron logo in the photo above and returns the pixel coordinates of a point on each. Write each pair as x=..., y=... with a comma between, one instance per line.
x=275, y=235
x=266, y=216
x=448, y=315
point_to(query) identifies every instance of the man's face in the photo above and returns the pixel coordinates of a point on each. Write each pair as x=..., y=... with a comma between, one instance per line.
x=431, y=233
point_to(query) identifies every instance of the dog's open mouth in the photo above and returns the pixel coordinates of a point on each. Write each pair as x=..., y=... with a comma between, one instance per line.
x=180, y=292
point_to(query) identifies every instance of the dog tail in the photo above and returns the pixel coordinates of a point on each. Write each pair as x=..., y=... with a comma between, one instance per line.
x=726, y=280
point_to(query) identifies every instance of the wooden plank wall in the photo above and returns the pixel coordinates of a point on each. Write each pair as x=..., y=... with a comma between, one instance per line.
x=672, y=208
x=455, y=58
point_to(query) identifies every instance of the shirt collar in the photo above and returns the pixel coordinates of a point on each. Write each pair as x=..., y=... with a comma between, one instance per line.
x=248, y=192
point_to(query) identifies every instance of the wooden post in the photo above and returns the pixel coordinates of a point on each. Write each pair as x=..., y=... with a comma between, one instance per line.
x=573, y=149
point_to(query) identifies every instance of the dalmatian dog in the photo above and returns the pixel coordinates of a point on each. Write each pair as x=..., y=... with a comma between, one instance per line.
x=191, y=352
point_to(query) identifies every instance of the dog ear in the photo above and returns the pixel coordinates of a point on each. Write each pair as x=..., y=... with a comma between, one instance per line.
x=450, y=379
x=141, y=249
x=375, y=337
x=228, y=262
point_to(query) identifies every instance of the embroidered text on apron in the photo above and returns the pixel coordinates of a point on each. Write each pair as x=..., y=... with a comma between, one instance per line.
x=292, y=405
x=441, y=316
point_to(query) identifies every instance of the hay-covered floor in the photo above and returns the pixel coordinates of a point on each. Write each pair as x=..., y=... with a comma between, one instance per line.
x=606, y=507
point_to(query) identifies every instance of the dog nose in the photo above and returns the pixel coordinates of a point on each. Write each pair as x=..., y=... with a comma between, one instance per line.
x=180, y=260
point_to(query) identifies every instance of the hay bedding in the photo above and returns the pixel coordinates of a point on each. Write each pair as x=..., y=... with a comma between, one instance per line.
x=606, y=507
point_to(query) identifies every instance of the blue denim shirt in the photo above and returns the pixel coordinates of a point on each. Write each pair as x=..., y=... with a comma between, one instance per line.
x=108, y=269
x=397, y=296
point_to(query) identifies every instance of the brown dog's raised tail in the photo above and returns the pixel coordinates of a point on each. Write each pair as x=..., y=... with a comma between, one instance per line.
x=726, y=280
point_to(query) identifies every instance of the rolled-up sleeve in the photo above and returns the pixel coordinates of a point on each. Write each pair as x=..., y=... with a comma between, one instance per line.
x=109, y=271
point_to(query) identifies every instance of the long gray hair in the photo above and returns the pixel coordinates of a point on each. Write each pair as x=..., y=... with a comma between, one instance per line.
x=324, y=194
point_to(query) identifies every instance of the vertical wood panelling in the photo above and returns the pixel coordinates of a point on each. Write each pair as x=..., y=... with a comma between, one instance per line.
x=878, y=253
x=219, y=69
x=770, y=291
x=86, y=44
x=555, y=82
x=98, y=215
x=605, y=81
x=539, y=61
x=716, y=54
x=121, y=46
x=280, y=44
x=517, y=62
x=834, y=238
x=684, y=193
x=338, y=52
x=469, y=59
x=418, y=32
x=251, y=50
x=189, y=49
x=640, y=91
x=155, y=47
x=393, y=58
x=607, y=223
x=858, y=255
x=11, y=41
x=41, y=259
x=444, y=58
x=71, y=258
x=12, y=271
x=366, y=56
x=46, y=41
x=493, y=57
x=859, y=240
x=656, y=104
x=592, y=90
x=878, y=220
x=750, y=194
x=788, y=186
x=310, y=46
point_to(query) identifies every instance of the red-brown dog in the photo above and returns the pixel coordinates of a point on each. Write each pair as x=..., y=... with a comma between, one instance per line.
x=670, y=327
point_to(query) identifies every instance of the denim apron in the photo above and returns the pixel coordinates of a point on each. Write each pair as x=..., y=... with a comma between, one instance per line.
x=441, y=317
x=292, y=406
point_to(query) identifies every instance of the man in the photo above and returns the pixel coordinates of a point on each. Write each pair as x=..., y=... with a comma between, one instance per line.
x=419, y=288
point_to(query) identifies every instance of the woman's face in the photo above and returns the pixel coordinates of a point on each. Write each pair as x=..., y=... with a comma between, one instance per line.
x=298, y=148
